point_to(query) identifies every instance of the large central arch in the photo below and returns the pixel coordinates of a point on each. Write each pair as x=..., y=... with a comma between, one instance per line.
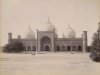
x=45, y=43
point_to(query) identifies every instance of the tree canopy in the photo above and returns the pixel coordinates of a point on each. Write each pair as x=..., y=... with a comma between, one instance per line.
x=14, y=47
x=96, y=40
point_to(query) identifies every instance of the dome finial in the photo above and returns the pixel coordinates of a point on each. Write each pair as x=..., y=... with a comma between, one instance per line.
x=69, y=25
x=99, y=24
x=29, y=27
x=48, y=20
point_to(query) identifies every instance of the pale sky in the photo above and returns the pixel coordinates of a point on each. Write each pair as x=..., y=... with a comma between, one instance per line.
x=17, y=15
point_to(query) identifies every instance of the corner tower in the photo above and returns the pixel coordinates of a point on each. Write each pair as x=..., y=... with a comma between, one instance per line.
x=84, y=41
x=9, y=38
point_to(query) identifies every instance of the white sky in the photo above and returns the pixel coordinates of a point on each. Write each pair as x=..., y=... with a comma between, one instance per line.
x=17, y=15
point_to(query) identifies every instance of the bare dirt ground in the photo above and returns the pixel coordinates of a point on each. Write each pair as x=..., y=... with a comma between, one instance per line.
x=48, y=64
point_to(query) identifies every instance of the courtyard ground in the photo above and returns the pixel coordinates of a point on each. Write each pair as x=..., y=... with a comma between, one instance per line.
x=48, y=64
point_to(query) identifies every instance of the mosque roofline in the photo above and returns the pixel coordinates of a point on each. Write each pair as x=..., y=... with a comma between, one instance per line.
x=28, y=39
x=24, y=39
x=46, y=31
x=70, y=39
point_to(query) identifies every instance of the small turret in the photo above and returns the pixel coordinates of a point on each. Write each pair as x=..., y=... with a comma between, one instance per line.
x=98, y=28
x=84, y=41
x=19, y=37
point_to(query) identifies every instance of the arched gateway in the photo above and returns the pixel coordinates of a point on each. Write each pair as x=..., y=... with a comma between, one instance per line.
x=45, y=44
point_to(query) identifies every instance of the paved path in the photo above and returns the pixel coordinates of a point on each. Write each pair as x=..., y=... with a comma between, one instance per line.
x=48, y=64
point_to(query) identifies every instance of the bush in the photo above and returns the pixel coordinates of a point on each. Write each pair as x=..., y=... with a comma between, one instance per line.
x=95, y=46
x=88, y=49
x=14, y=47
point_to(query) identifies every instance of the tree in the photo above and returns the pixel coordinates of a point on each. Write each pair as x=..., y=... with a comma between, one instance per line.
x=88, y=48
x=6, y=48
x=96, y=40
x=14, y=47
x=95, y=46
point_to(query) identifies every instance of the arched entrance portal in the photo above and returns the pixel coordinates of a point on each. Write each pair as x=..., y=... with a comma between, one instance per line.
x=45, y=44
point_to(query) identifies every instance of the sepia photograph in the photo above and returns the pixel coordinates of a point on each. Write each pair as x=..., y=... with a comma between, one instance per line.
x=49, y=37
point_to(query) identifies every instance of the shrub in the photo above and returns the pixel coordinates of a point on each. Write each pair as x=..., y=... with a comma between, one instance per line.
x=14, y=47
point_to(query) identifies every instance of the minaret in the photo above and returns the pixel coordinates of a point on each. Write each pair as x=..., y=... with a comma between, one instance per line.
x=9, y=38
x=84, y=41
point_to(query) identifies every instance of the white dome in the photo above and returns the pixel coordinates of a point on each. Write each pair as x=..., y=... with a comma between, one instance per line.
x=49, y=27
x=30, y=34
x=70, y=33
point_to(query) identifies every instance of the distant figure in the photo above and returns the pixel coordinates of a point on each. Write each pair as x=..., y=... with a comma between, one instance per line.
x=72, y=52
x=33, y=53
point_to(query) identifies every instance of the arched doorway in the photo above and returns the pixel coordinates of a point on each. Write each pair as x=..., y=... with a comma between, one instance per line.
x=63, y=48
x=29, y=48
x=34, y=48
x=73, y=48
x=68, y=48
x=25, y=47
x=58, y=48
x=45, y=44
x=79, y=48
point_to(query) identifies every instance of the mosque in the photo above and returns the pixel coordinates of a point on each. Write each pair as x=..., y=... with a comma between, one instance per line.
x=47, y=40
